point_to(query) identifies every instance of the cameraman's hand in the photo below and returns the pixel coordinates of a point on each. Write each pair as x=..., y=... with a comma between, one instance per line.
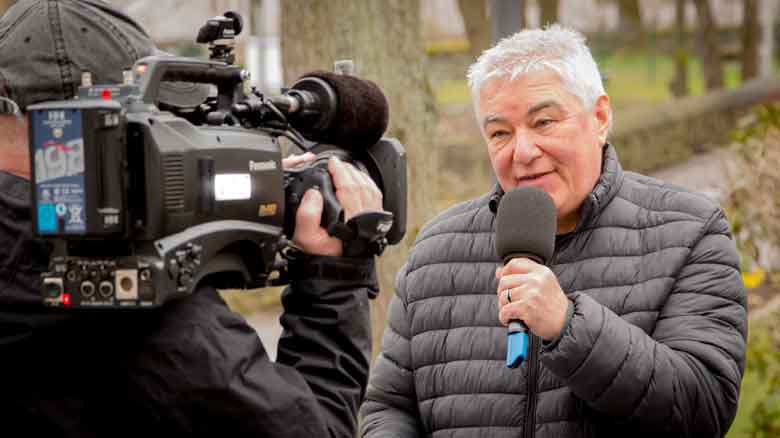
x=356, y=192
x=295, y=160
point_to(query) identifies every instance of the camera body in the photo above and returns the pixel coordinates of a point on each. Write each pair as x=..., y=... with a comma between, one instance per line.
x=141, y=204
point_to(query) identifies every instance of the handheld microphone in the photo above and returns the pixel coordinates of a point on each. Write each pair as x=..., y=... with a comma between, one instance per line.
x=525, y=227
x=338, y=109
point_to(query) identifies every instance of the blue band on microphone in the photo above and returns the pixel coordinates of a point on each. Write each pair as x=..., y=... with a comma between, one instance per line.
x=516, y=349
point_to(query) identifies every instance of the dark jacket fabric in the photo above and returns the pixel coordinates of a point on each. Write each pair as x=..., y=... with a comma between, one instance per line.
x=655, y=344
x=189, y=368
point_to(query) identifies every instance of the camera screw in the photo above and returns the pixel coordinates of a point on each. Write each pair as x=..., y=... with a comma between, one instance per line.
x=344, y=67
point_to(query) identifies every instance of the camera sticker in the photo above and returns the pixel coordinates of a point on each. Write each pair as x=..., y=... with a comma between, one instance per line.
x=58, y=144
x=47, y=218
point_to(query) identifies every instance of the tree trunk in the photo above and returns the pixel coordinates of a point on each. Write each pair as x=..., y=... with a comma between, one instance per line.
x=506, y=18
x=751, y=32
x=548, y=12
x=384, y=38
x=475, y=19
x=630, y=18
x=679, y=85
x=710, y=47
x=768, y=16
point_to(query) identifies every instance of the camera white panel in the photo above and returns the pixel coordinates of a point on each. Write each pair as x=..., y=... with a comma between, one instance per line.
x=232, y=186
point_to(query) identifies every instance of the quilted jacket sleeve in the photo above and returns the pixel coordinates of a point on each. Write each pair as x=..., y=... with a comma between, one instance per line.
x=684, y=378
x=390, y=408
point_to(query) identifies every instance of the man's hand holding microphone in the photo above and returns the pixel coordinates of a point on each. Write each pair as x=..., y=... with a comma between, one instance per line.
x=529, y=292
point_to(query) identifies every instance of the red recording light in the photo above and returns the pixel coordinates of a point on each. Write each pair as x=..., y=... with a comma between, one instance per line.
x=66, y=299
x=106, y=94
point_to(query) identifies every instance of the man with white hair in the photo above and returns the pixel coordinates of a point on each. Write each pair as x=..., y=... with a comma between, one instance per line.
x=638, y=322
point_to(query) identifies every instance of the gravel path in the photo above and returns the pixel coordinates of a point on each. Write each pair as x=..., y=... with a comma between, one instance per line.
x=709, y=173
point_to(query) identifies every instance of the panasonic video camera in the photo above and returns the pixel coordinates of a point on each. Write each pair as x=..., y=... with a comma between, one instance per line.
x=142, y=199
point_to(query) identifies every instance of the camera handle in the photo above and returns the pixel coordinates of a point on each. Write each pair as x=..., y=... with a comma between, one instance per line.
x=316, y=177
x=150, y=71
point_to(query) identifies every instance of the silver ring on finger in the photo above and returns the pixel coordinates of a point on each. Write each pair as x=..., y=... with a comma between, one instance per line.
x=509, y=295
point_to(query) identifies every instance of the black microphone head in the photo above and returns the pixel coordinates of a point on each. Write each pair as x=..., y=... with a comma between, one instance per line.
x=525, y=225
x=361, y=116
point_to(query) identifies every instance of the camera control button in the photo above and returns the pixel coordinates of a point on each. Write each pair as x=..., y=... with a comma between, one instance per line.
x=185, y=278
x=173, y=268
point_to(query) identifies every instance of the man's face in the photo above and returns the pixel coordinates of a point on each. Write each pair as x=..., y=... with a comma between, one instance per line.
x=540, y=134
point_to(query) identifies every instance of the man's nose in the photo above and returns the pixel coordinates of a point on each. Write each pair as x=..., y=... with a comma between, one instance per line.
x=525, y=149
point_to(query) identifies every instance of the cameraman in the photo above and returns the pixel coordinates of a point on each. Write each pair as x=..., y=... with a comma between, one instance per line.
x=191, y=367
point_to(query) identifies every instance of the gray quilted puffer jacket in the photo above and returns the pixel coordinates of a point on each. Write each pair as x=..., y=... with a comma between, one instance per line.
x=656, y=343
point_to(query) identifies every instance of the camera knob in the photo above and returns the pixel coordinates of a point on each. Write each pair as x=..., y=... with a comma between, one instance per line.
x=173, y=268
x=185, y=278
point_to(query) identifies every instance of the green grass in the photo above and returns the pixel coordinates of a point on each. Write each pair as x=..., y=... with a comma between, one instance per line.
x=640, y=77
x=452, y=92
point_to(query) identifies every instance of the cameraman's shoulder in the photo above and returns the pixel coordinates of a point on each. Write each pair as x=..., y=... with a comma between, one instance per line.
x=204, y=308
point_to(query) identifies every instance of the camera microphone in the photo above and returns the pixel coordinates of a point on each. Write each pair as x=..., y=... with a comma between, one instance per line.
x=338, y=109
x=525, y=227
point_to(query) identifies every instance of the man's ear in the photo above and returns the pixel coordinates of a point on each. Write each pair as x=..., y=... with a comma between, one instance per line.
x=602, y=110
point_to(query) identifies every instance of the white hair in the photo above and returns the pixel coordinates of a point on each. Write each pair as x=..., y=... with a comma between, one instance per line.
x=554, y=48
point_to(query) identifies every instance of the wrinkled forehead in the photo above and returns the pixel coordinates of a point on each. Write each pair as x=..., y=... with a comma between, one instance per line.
x=526, y=92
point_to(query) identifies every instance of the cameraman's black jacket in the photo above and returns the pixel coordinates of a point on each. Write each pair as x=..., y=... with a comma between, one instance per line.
x=192, y=367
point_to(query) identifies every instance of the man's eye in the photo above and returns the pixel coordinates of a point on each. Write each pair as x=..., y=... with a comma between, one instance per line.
x=542, y=123
x=498, y=135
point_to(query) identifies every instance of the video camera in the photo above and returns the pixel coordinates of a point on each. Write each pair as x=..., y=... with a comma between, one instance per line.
x=142, y=200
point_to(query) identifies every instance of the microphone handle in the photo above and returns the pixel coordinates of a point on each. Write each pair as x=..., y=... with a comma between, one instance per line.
x=516, y=325
x=517, y=332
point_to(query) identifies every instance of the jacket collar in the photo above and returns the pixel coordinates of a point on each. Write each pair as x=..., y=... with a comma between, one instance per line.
x=605, y=189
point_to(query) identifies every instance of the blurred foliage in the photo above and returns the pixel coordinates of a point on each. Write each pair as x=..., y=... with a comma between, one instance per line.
x=753, y=206
x=759, y=404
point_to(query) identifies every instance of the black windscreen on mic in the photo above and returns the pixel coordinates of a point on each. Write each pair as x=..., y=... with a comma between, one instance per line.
x=525, y=225
x=357, y=120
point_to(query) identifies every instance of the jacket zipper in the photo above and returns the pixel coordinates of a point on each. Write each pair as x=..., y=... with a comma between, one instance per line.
x=533, y=371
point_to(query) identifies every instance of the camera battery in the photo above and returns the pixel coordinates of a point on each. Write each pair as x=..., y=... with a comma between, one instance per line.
x=77, y=149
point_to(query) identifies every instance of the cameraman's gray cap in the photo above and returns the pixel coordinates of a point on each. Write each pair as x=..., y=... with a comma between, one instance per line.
x=45, y=45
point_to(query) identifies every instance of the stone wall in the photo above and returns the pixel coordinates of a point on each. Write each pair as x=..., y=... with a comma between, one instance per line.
x=653, y=137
